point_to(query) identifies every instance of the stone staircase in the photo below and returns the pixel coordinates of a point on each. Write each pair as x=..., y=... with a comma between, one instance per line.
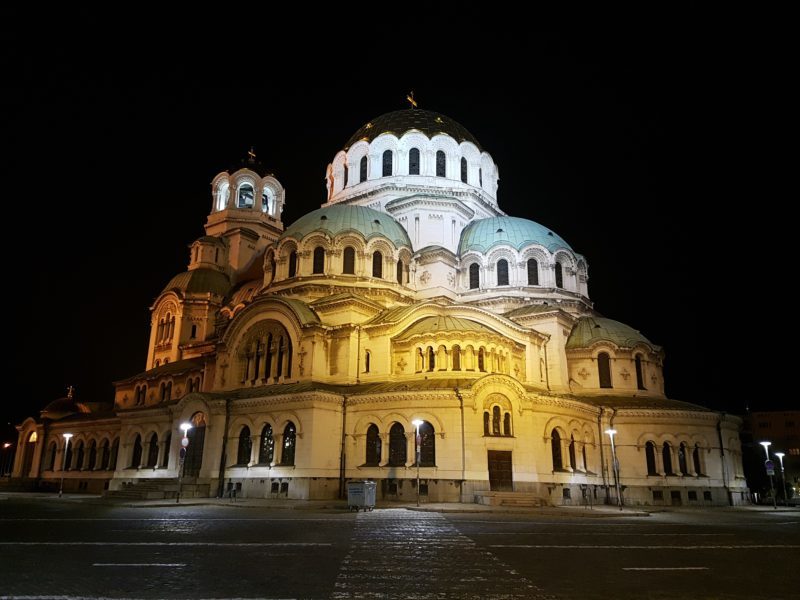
x=159, y=489
x=512, y=499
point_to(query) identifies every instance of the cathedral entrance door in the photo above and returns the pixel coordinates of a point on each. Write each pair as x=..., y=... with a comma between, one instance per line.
x=500, y=473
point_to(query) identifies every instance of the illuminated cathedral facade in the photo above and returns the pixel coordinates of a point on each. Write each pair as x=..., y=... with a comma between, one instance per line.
x=407, y=325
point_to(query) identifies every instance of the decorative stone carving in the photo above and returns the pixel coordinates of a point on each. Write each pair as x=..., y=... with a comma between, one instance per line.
x=583, y=373
x=425, y=277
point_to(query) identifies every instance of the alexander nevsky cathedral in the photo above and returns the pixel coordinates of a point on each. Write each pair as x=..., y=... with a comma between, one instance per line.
x=407, y=326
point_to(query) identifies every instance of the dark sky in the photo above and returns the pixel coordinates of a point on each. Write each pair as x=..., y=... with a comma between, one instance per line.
x=628, y=146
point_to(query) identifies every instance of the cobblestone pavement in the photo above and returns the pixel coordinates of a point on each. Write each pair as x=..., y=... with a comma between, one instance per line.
x=396, y=553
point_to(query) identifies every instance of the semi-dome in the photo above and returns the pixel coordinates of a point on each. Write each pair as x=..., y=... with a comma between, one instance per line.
x=589, y=330
x=341, y=218
x=401, y=121
x=63, y=407
x=483, y=234
x=199, y=281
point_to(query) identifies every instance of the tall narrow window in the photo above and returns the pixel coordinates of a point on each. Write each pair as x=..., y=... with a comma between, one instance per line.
x=167, y=444
x=486, y=419
x=68, y=457
x=463, y=169
x=293, y=263
x=246, y=196
x=480, y=177
x=502, y=272
x=682, y=463
x=266, y=447
x=431, y=359
x=79, y=456
x=400, y=272
x=366, y=361
x=136, y=458
x=559, y=276
x=362, y=170
x=441, y=164
x=427, y=445
x=604, y=369
x=413, y=161
x=481, y=360
x=533, y=272
x=666, y=455
x=289, y=443
x=456, y=354
x=387, y=163
x=495, y=420
x=474, y=276
x=507, y=424
x=650, y=457
x=152, y=451
x=104, y=455
x=696, y=459
x=572, y=462
x=193, y=334
x=319, y=260
x=344, y=175
x=51, y=457
x=268, y=201
x=373, y=458
x=112, y=461
x=245, y=445
x=555, y=442
x=349, y=261
x=377, y=264
x=397, y=446
x=639, y=372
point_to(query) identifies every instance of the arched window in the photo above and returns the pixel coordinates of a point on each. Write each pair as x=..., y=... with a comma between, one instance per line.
x=167, y=444
x=682, y=462
x=246, y=197
x=51, y=457
x=92, y=456
x=373, y=458
x=112, y=461
x=507, y=424
x=639, y=373
x=216, y=260
x=387, y=163
x=193, y=333
x=559, y=276
x=431, y=359
x=268, y=201
x=293, y=263
x=486, y=419
x=362, y=170
x=572, y=461
x=495, y=420
x=502, y=272
x=377, y=264
x=68, y=457
x=400, y=268
x=266, y=448
x=349, y=261
x=344, y=175
x=366, y=361
x=397, y=446
x=104, y=455
x=604, y=369
x=650, y=457
x=223, y=192
x=289, y=444
x=427, y=445
x=696, y=459
x=79, y=456
x=319, y=260
x=481, y=360
x=245, y=445
x=480, y=177
x=413, y=161
x=666, y=455
x=136, y=458
x=456, y=353
x=441, y=164
x=533, y=271
x=555, y=442
x=152, y=451
x=474, y=276
x=463, y=169
x=585, y=461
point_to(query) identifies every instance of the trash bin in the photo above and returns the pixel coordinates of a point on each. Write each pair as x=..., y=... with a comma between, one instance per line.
x=361, y=494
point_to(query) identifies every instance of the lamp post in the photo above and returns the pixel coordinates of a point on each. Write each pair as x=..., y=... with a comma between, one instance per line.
x=416, y=423
x=769, y=467
x=611, y=433
x=780, y=456
x=64, y=463
x=185, y=427
x=6, y=465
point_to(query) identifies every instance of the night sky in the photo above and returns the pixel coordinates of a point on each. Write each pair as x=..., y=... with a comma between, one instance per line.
x=629, y=147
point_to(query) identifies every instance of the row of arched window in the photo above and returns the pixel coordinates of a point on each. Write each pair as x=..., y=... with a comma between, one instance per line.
x=348, y=264
x=165, y=329
x=89, y=457
x=266, y=446
x=666, y=466
x=387, y=167
x=604, y=371
x=557, y=448
x=398, y=450
x=245, y=197
x=153, y=451
x=457, y=359
x=165, y=391
x=267, y=358
x=497, y=423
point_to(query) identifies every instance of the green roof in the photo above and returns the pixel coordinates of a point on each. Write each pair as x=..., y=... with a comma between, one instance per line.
x=341, y=218
x=399, y=122
x=589, y=330
x=200, y=281
x=439, y=323
x=483, y=234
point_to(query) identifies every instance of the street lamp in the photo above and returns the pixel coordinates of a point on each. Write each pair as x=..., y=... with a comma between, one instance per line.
x=416, y=423
x=611, y=433
x=780, y=456
x=64, y=463
x=5, y=467
x=185, y=427
x=769, y=467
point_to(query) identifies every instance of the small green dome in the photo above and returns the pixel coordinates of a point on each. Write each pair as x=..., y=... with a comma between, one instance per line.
x=200, y=281
x=341, y=218
x=589, y=330
x=483, y=234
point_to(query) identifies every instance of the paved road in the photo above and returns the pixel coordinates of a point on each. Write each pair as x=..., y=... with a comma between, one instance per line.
x=51, y=548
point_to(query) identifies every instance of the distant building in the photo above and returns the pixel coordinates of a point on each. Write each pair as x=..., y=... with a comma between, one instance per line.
x=303, y=355
x=782, y=429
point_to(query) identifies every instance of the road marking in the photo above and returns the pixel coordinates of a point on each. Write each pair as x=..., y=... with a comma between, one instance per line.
x=61, y=597
x=665, y=568
x=169, y=519
x=138, y=564
x=610, y=547
x=211, y=544
x=594, y=533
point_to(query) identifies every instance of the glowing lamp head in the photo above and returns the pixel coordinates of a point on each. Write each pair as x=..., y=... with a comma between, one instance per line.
x=611, y=432
x=766, y=444
x=67, y=436
x=185, y=427
x=417, y=423
x=780, y=454
x=7, y=445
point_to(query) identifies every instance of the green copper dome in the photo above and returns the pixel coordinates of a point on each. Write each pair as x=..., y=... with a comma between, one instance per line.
x=483, y=234
x=401, y=121
x=589, y=330
x=341, y=218
x=199, y=281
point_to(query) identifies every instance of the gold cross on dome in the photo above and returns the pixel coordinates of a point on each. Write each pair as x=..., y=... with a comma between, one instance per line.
x=251, y=153
x=411, y=100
